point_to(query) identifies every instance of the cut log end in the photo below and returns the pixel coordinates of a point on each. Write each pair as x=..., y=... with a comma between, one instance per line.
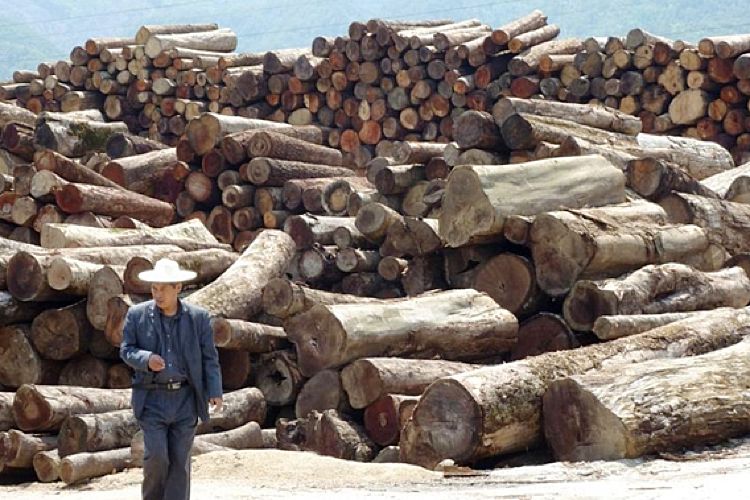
x=30, y=410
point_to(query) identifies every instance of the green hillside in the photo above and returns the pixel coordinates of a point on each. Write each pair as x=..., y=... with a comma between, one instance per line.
x=34, y=30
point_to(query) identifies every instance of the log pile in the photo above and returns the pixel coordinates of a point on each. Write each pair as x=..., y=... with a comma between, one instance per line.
x=397, y=244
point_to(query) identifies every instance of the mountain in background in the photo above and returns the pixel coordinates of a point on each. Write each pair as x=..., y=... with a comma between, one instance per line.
x=33, y=31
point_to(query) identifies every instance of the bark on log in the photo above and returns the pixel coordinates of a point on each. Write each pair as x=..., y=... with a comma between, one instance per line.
x=188, y=235
x=732, y=185
x=273, y=172
x=105, y=283
x=96, y=432
x=595, y=241
x=82, y=466
x=534, y=20
x=332, y=335
x=621, y=412
x=247, y=336
x=283, y=147
x=598, y=117
x=498, y=410
x=136, y=172
x=123, y=145
x=653, y=179
x=70, y=170
x=218, y=40
x=206, y=132
x=655, y=289
x=62, y=333
x=615, y=327
x=44, y=408
x=323, y=391
x=237, y=293
x=21, y=448
x=478, y=198
x=240, y=407
x=368, y=379
x=307, y=230
x=74, y=138
x=528, y=61
x=76, y=198
x=20, y=363
x=234, y=146
x=726, y=223
x=283, y=298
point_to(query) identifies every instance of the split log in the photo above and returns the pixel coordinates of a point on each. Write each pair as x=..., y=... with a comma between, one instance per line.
x=596, y=239
x=598, y=117
x=44, y=408
x=366, y=380
x=21, y=448
x=62, y=333
x=188, y=235
x=382, y=418
x=615, y=327
x=621, y=412
x=479, y=198
x=278, y=377
x=20, y=363
x=269, y=144
x=237, y=293
x=323, y=391
x=283, y=298
x=80, y=466
x=76, y=198
x=543, y=333
x=498, y=409
x=208, y=265
x=273, y=172
x=332, y=335
x=726, y=223
x=247, y=336
x=74, y=138
x=96, y=432
x=655, y=289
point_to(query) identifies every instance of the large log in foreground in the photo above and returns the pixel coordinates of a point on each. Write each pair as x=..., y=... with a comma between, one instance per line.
x=479, y=198
x=455, y=324
x=498, y=410
x=620, y=413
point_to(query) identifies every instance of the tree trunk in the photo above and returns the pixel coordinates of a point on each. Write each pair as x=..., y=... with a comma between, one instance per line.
x=136, y=173
x=105, y=283
x=76, y=198
x=218, y=40
x=74, y=138
x=595, y=241
x=374, y=220
x=123, y=145
x=237, y=293
x=6, y=411
x=145, y=32
x=528, y=61
x=70, y=170
x=497, y=410
x=96, y=432
x=542, y=333
x=20, y=363
x=368, y=379
x=47, y=466
x=283, y=298
x=209, y=264
x=10, y=113
x=239, y=407
x=336, y=195
x=598, y=117
x=323, y=391
x=620, y=413
x=82, y=466
x=726, y=223
x=653, y=179
x=13, y=311
x=63, y=333
x=655, y=289
x=478, y=198
x=273, y=172
x=382, y=418
x=615, y=327
x=22, y=447
x=279, y=378
x=188, y=235
x=84, y=371
x=206, y=132
x=732, y=185
x=246, y=336
x=44, y=408
x=234, y=146
x=283, y=147
x=466, y=325
x=306, y=230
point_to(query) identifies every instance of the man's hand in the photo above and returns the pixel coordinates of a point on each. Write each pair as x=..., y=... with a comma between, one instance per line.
x=156, y=363
x=217, y=404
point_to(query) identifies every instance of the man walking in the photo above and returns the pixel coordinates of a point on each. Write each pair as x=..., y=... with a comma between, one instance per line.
x=170, y=346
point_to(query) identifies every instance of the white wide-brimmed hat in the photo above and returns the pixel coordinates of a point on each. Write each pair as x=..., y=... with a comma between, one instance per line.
x=166, y=271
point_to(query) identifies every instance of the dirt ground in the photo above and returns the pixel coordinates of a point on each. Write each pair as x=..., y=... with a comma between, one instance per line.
x=722, y=472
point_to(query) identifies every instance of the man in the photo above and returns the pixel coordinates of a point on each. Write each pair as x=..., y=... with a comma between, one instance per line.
x=170, y=346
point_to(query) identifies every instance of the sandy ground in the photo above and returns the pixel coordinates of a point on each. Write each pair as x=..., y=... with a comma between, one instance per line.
x=271, y=474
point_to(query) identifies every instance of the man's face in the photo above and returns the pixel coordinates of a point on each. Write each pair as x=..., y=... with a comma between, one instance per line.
x=165, y=294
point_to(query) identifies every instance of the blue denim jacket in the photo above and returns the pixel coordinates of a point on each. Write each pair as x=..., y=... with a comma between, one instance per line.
x=140, y=338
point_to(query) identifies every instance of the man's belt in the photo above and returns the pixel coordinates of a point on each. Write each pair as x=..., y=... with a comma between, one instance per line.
x=169, y=386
